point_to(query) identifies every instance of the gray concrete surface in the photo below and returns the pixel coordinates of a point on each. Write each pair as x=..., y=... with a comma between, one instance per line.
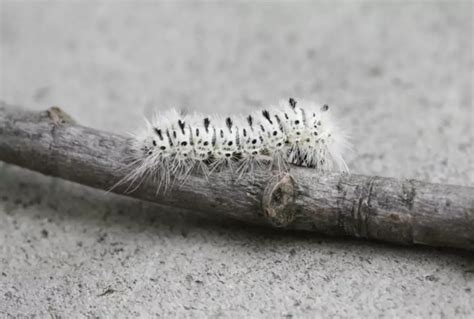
x=399, y=74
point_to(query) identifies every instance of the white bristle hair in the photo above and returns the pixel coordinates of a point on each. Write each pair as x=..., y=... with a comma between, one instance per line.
x=171, y=146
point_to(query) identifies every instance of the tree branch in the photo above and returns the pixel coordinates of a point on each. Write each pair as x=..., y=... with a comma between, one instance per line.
x=386, y=209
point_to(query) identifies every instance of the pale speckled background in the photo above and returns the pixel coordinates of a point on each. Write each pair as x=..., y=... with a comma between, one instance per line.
x=399, y=74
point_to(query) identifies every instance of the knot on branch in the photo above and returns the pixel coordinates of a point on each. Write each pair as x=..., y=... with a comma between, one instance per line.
x=59, y=117
x=278, y=201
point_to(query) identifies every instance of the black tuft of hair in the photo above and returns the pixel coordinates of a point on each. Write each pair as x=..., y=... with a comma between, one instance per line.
x=267, y=116
x=158, y=132
x=292, y=102
x=207, y=122
x=228, y=122
x=181, y=125
x=169, y=137
x=250, y=120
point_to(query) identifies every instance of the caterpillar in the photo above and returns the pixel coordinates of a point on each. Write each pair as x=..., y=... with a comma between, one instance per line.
x=171, y=145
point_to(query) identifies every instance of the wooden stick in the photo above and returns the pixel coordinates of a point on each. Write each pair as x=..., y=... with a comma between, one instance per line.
x=379, y=208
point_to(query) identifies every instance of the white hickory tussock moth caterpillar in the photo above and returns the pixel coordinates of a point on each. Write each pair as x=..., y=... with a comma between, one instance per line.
x=300, y=133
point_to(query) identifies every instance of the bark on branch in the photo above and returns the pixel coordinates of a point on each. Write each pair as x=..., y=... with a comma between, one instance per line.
x=386, y=209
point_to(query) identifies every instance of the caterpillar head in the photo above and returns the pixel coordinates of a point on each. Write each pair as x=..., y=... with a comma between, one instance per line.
x=317, y=119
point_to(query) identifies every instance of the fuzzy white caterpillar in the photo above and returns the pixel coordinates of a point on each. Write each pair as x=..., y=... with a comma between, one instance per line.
x=302, y=133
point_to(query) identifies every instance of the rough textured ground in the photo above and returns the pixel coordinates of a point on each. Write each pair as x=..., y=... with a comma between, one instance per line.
x=400, y=75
